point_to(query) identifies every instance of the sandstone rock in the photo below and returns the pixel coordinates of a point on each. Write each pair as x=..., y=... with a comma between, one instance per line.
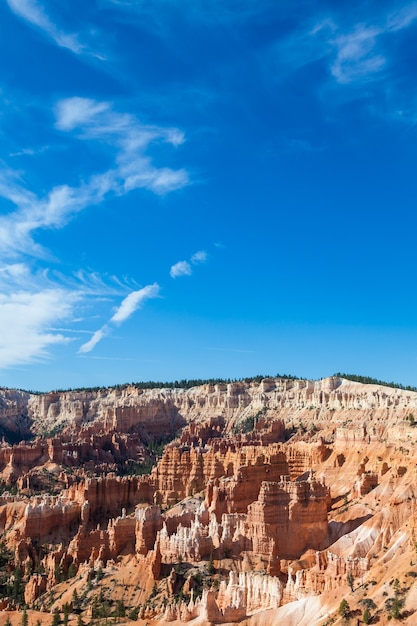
x=238, y=512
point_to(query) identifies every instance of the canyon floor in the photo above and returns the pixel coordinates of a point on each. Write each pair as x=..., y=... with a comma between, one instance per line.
x=273, y=501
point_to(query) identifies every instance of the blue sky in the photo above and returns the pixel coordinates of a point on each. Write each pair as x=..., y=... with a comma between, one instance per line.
x=196, y=189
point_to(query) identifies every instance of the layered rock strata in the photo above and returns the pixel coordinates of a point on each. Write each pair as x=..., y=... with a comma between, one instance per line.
x=268, y=495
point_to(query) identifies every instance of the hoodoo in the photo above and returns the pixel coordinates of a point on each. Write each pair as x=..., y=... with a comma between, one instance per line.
x=274, y=501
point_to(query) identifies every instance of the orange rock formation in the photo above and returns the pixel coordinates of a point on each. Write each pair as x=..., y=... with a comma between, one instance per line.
x=275, y=498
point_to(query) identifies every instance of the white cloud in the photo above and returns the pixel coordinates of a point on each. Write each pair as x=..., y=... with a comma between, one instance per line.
x=98, y=121
x=27, y=318
x=129, y=305
x=134, y=301
x=356, y=58
x=32, y=12
x=92, y=283
x=15, y=272
x=175, y=137
x=165, y=180
x=357, y=54
x=95, y=339
x=74, y=112
x=402, y=18
x=199, y=257
x=34, y=302
x=53, y=211
x=30, y=151
x=140, y=173
x=132, y=170
x=33, y=307
x=182, y=268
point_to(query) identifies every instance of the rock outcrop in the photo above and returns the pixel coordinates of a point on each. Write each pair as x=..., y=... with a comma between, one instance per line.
x=262, y=496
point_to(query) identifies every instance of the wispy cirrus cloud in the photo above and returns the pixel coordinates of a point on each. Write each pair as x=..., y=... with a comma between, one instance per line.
x=361, y=52
x=402, y=17
x=33, y=213
x=32, y=12
x=357, y=57
x=184, y=268
x=18, y=273
x=90, y=120
x=34, y=303
x=95, y=339
x=27, y=317
x=134, y=301
x=129, y=305
x=75, y=112
x=98, y=120
x=29, y=151
x=36, y=299
x=21, y=276
x=354, y=51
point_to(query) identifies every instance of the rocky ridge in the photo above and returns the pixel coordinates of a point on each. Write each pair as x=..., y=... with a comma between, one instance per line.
x=272, y=501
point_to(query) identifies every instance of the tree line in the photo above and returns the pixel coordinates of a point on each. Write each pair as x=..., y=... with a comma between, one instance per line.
x=185, y=383
x=368, y=380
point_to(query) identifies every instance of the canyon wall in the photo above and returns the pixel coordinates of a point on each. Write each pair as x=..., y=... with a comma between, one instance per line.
x=262, y=496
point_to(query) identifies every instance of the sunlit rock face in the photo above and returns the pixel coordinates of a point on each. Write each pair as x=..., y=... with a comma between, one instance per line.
x=267, y=501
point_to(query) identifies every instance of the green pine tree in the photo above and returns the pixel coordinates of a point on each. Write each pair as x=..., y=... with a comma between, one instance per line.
x=25, y=619
x=120, y=609
x=66, y=613
x=344, y=609
x=72, y=571
x=17, y=587
x=56, y=620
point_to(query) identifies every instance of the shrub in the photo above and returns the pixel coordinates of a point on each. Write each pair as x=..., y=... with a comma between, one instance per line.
x=56, y=619
x=344, y=609
x=394, y=606
x=134, y=614
x=368, y=603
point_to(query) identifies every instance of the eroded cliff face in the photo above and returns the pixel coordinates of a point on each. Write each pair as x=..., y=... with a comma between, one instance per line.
x=273, y=501
x=158, y=410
